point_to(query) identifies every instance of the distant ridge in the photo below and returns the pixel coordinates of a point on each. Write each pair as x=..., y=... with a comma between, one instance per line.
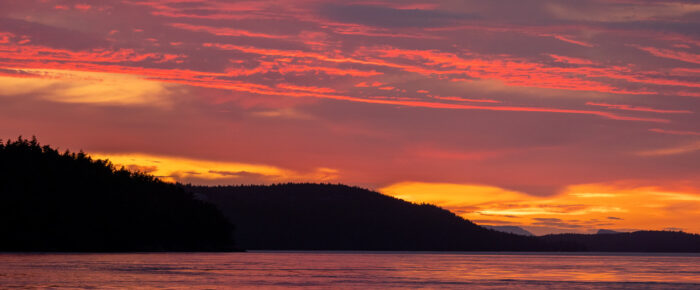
x=640, y=241
x=606, y=232
x=509, y=229
x=339, y=217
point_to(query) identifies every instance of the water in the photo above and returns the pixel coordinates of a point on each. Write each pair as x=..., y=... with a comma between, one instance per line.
x=350, y=270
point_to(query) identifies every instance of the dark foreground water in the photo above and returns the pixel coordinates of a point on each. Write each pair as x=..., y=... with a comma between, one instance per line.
x=350, y=270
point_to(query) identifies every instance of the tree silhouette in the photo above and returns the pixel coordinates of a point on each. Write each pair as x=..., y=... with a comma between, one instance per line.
x=51, y=201
x=305, y=216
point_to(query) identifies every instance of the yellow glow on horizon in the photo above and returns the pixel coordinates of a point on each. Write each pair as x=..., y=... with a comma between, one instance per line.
x=593, y=194
x=447, y=193
x=579, y=208
x=171, y=169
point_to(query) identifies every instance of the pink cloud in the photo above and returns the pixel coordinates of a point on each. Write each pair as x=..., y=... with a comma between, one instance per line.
x=639, y=109
x=224, y=31
x=675, y=132
x=568, y=39
x=82, y=7
x=672, y=54
x=459, y=99
x=571, y=60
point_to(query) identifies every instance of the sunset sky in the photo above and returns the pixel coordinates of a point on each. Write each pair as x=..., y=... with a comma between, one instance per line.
x=558, y=116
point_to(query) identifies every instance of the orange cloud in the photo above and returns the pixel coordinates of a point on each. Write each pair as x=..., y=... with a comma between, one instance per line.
x=86, y=87
x=578, y=208
x=172, y=169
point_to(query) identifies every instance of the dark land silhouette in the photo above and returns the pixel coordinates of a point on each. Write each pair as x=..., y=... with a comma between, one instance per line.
x=509, y=229
x=51, y=201
x=339, y=217
x=640, y=241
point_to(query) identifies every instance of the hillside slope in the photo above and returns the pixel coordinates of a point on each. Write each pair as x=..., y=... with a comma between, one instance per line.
x=640, y=241
x=509, y=229
x=339, y=217
x=51, y=201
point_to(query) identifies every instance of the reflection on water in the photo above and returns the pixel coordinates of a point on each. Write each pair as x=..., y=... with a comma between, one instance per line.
x=348, y=270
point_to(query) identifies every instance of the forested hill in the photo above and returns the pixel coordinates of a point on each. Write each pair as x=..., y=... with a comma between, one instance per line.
x=51, y=201
x=339, y=217
x=640, y=241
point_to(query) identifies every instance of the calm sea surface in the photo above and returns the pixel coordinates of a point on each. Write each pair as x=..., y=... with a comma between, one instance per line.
x=350, y=270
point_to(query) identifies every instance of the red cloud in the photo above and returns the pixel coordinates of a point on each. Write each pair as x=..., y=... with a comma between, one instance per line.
x=674, y=132
x=639, y=109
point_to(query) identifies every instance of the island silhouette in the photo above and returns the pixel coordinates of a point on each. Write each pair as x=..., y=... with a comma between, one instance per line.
x=69, y=202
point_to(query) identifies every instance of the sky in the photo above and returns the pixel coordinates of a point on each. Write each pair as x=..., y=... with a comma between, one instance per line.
x=557, y=116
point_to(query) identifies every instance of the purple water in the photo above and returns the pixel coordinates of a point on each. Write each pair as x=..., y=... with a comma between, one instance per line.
x=350, y=270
